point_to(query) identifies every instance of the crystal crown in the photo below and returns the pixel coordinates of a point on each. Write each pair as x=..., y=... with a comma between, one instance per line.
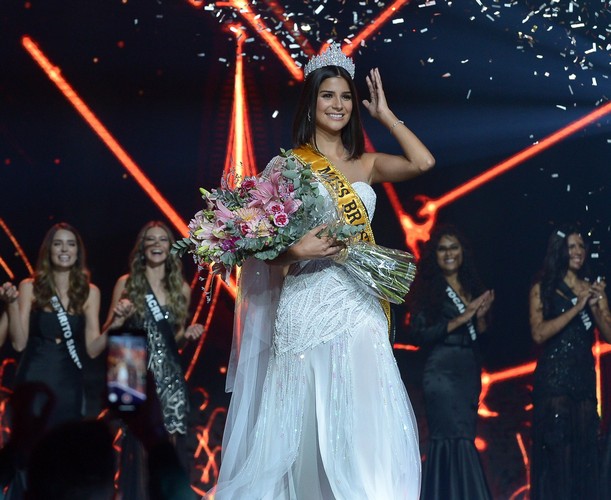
x=333, y=56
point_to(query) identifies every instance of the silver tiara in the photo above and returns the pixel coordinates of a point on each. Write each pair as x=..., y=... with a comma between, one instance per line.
x=333, y=56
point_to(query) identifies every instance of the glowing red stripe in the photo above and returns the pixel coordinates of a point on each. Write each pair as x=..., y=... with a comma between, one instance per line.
x=279, y=13
x=17, y=246
x=240, y=155
x=54, y=75
x=522, y=156
x=202, y=339
x=374, y=26
x=405, y=347
x=264, y=32
x=7, y=269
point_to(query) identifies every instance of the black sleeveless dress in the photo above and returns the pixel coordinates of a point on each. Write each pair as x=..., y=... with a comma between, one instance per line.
x=564, y=462
x=452, y=384
x=46, y=359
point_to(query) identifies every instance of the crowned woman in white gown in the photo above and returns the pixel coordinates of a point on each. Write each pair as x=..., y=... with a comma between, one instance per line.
x=319, y=410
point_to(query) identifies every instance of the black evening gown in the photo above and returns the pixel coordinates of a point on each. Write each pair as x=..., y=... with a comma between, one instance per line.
x=452, y=468
x=46, y=359
x=565, y=457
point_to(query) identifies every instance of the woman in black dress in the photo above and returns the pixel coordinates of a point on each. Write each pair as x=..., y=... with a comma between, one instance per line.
x=56, y=320
x=449, y=308
x=565, y=306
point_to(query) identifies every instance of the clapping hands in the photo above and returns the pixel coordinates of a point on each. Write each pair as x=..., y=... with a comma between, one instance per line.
x=597, y=295
x=486, y=299
x=8, y=292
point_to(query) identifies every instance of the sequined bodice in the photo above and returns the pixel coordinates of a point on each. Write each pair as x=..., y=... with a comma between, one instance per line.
x=566, y=366
x=313, y=293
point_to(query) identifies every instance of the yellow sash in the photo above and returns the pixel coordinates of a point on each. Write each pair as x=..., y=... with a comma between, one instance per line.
x=352, y=209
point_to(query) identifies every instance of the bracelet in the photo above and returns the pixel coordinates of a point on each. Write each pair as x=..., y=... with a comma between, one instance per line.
x=395, y=124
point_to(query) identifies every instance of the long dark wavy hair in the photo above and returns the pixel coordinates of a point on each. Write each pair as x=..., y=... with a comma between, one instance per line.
x=304, y=122
x=137, y=285
x=78, y=281
x=429, y=288
x=556, y=264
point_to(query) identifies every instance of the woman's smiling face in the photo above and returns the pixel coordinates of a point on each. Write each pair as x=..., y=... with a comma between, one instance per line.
x=333, y=104
x=449, y=255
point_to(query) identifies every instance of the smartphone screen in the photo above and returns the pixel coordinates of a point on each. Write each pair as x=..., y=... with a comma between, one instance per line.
x=126, y=369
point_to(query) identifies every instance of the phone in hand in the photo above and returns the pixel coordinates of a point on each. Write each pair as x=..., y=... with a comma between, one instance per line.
x=126, y=364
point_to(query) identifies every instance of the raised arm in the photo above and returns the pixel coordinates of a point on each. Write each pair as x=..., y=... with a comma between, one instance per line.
x=599, y=305
x=541, y=329
x=416, y=158
x=19, y=315
x=8, y=295
x=120, y=308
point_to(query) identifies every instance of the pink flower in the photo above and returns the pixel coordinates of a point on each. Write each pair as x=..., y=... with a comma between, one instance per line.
x=248, y=184
x=223, y=214
x=291, y=205
x=196, y=222
x=274, y=208
x=281, y=219
x=244, y=228
x=266, y=191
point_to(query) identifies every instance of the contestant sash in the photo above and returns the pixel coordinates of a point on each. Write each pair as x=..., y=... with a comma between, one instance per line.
x=64, y=324
x=460, y=305
x=583, y=314
x=352, y=209
x=160, y=317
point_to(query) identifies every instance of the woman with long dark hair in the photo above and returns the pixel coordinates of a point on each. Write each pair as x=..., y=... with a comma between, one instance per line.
x=566, y=304
x=449, y=309
x=56, y=320
x=318, y=409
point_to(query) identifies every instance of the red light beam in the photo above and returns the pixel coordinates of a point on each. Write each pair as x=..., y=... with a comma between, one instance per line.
x=255, y=21
x=54, y=74
x=7, y=269
x=377, y=23
x=516, y=159
x=17, y=246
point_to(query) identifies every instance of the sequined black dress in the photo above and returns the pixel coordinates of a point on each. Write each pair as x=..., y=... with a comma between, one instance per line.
x=164, y=363
x=564, y=462
x=451, y=383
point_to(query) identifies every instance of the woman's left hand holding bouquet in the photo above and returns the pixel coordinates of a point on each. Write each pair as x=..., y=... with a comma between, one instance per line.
x=315, y=244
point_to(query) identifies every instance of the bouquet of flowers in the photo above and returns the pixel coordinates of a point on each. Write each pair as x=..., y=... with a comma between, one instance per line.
x=262, y=216
x=258, y=217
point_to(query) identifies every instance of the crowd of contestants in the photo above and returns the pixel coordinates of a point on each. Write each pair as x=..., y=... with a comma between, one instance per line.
x=53, y=320
x=450, y=310
x=318, y=410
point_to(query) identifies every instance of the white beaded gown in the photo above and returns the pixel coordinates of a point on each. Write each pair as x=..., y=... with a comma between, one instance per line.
x=333, y=419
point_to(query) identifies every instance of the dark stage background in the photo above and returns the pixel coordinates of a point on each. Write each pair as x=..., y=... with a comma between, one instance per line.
x=477, y=80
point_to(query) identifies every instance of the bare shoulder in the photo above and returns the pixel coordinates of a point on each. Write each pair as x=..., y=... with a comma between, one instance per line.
x=27, y=283
x=120, y=284
x=26, y=287
x=94, y=291
x=368, y=161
